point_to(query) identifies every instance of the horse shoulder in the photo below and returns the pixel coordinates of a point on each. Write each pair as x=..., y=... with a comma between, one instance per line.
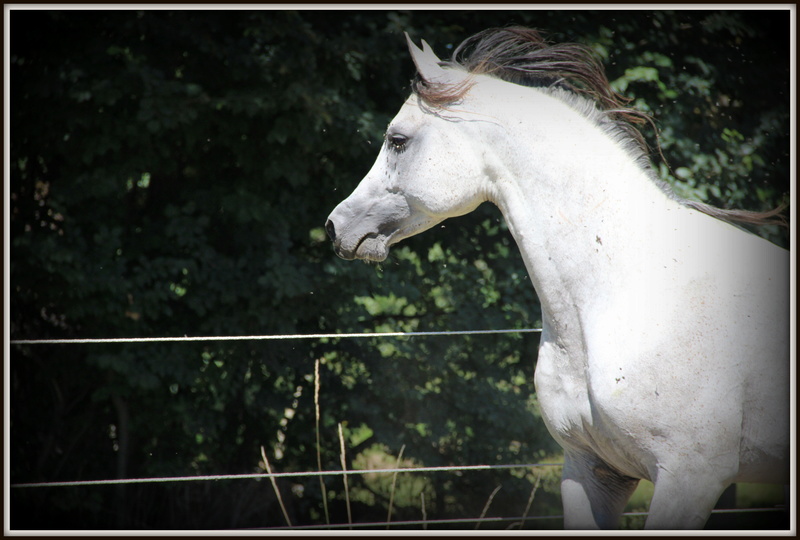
x=688, y=355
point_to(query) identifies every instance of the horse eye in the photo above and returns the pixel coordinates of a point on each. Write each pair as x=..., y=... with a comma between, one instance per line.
x=398, y=142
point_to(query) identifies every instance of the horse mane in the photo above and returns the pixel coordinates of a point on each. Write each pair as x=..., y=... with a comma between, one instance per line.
x=571, y=72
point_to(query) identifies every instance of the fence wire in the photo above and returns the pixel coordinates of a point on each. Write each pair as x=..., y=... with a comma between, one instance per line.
x=511, y=521
x=269, y=337
x=248, y=476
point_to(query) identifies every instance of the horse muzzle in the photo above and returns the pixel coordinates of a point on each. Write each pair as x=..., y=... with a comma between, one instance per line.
x=364, y=228
x=356, y=238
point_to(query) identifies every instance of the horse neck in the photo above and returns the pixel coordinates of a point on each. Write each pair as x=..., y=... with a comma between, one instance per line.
x=580, y=208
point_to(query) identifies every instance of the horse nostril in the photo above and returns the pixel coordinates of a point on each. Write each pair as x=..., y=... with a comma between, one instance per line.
x=331, y=230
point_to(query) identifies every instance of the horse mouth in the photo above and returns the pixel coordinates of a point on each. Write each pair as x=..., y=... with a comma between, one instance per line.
x=372, y=247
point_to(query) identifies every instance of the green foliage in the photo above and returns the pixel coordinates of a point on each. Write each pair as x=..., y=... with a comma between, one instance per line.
x=171, y=172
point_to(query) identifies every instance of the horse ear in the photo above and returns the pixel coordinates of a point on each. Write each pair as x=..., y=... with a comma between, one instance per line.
x=427, y=62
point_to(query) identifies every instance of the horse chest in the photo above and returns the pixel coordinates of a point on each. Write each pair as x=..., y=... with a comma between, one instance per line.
x=588, y=413
x=563, y=392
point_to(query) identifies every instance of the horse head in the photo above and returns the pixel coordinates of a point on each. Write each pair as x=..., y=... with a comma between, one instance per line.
x=428, y=169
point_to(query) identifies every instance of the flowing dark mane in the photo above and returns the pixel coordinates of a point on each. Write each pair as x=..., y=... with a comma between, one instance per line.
x=522, y=56
x=571, y=72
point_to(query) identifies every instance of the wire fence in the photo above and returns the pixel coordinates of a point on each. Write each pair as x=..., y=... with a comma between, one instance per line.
x=250, y=476
x=509, y=521
x=513, y=521
x=516, y=521
x=270, y=337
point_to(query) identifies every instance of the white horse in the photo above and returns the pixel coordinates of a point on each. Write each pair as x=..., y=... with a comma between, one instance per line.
x=665, y=346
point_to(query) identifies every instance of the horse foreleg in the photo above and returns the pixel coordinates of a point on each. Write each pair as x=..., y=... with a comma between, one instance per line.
x=685, y=502
x=593, y=494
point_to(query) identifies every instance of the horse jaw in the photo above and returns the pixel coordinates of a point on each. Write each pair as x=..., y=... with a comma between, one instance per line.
x=363, y=228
